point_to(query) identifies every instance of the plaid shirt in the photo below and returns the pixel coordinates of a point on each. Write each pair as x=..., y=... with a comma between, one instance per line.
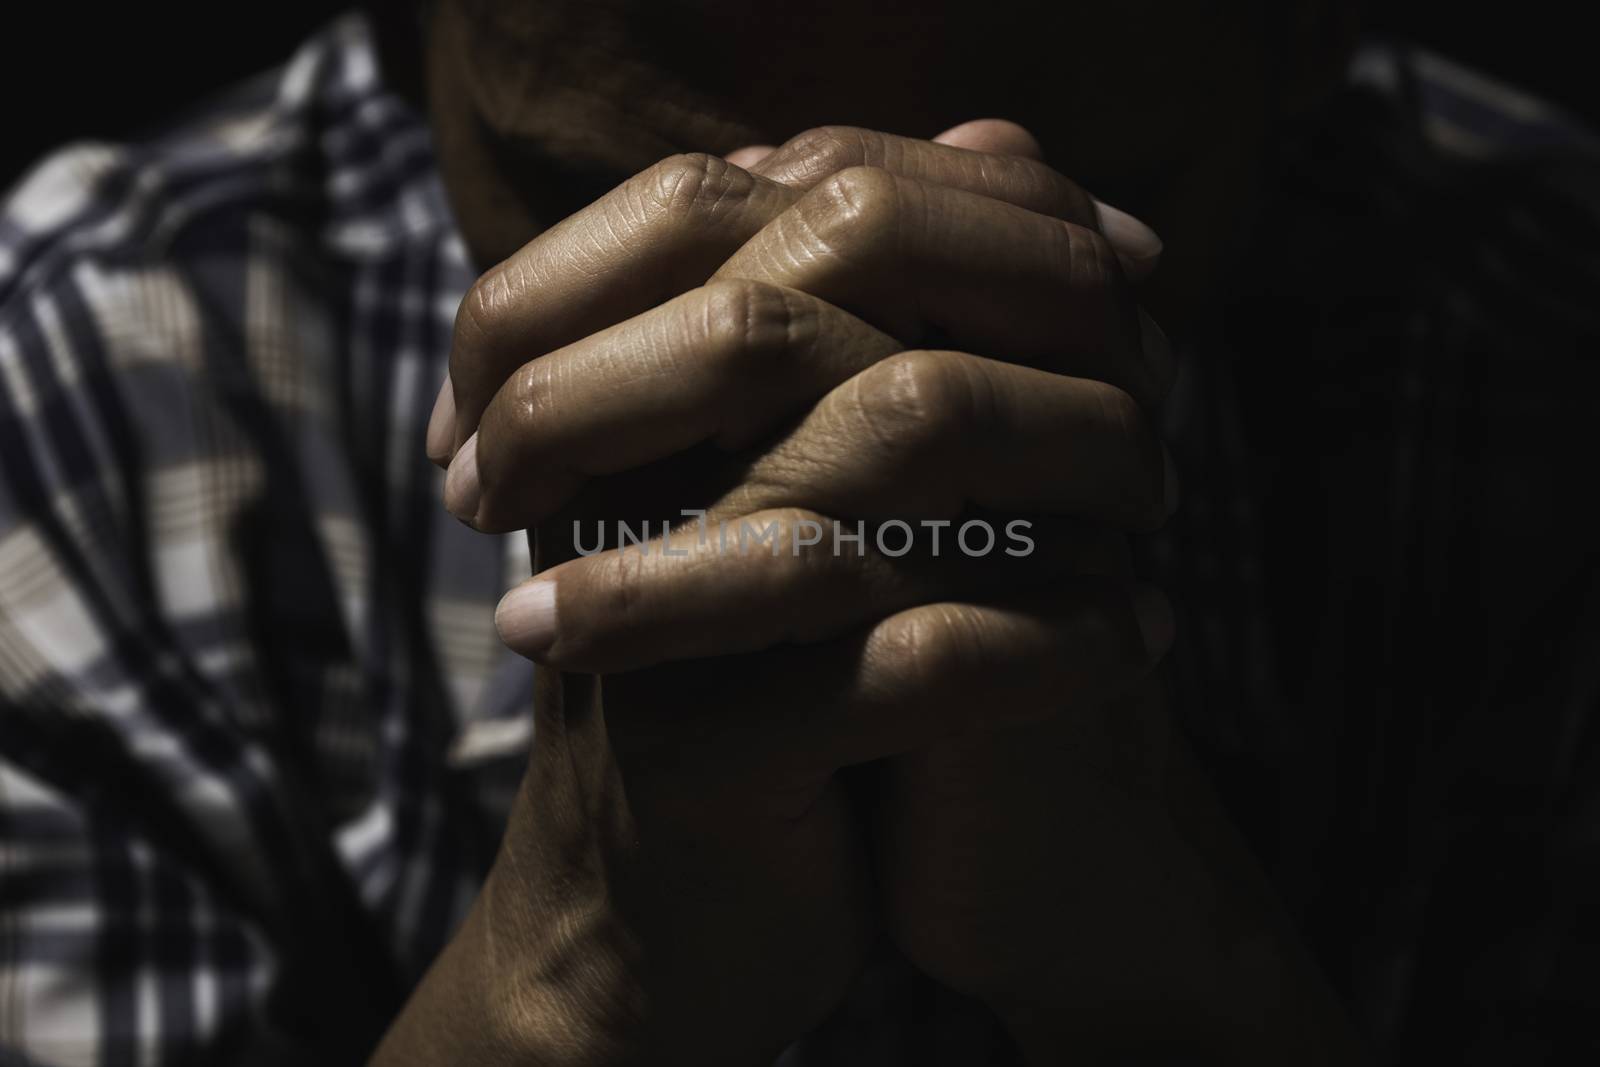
x=259, y=736
x=253, y=697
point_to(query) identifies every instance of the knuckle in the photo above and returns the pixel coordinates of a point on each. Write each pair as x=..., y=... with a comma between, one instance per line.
x=807, y=564
x=512, y=410
x=935, y=645
x=477, y=322
x=529, y=387
x=857, y=196
x=779, y=571
x=696, y=184
x=822, y=150
x=749, y=322
x=801, y=566
x=917, y=402
x=617, y=589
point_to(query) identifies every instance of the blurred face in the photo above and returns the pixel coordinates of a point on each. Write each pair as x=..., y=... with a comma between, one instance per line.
x=540, y=105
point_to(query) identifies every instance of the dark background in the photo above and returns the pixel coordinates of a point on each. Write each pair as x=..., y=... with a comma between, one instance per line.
x=105, y=71
x=73, y=72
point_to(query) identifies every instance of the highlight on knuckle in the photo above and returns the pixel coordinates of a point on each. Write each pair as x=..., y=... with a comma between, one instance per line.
x=696, y=184
x=823, y=150
x=854, y=199
x=748, y=323
x=916, y=403
x=478, y=317
x=933, y=646
x=815, y=565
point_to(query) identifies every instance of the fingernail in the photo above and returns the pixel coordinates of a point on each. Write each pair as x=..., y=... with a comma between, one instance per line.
x=1157, y=352
x=750, y=155
x=461, y=488
x=1154, y=613
x=1137, y=244
x=1169, y=483
x=526, y=617
x=442, y=425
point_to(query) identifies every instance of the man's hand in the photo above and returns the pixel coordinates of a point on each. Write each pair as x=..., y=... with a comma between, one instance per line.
x=666, y=231
x=809, y=318
x=795, y=384
x=682, y=881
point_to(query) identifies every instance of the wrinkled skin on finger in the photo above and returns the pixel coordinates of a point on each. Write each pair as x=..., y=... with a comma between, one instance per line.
x=539, y=108
x=671, y=226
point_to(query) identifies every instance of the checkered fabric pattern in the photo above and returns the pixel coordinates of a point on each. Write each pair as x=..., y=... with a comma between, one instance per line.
x=258, y=737
x=245, y=661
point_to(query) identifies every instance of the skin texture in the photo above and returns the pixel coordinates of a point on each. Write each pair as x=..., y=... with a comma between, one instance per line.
x=855, y=326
